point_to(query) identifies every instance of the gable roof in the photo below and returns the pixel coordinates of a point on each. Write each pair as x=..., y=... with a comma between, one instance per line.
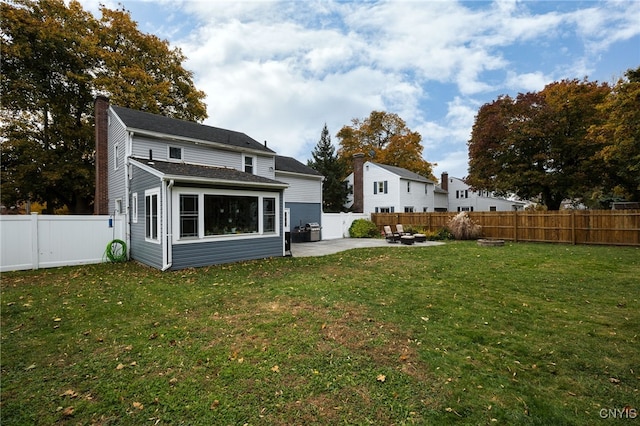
x=288, y=164
x=208, y=174
x=147, y=122
x=404, y=173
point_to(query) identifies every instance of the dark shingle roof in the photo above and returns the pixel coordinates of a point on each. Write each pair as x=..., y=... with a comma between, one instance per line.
x=217, y=175
x=138, y=120
x=404, y=173
x=288, y=164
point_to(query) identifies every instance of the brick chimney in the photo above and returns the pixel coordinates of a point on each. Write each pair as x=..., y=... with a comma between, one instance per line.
x=444, y=181
x=358, y=186
x=101, y=199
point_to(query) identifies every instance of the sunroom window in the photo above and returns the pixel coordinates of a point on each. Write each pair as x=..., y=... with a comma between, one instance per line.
x=230, y=214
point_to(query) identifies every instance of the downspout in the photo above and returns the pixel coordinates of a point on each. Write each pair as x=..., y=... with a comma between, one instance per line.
x=127, y=202
x=167, y=255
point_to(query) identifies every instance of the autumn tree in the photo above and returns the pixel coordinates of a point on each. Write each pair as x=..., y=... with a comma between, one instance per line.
x=535, y=145
x=55, y=59
x=384, y=138
x=619, y=138
x=326, y=162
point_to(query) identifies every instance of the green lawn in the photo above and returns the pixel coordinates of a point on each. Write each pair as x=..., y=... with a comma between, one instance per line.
x=460, y=334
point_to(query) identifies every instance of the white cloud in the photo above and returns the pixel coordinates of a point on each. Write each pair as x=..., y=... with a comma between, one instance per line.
x=280, y=70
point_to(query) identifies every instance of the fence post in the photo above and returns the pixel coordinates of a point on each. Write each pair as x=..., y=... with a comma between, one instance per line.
x=573, y=227
x=515, y=226
x=35, y=250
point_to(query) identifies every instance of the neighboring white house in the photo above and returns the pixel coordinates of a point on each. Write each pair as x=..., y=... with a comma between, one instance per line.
x=463, y=199
x=389, y=189
x=379, y=188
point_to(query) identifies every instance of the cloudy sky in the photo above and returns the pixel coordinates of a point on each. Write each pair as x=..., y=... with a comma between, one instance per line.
x=279, y=71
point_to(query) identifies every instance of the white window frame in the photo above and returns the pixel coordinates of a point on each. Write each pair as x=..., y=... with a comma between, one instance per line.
x=117, y=206
x=151, y=193
x=169, y=147
x=201, y=238
x=116, y=163
x=134, y=207
x=254, y=163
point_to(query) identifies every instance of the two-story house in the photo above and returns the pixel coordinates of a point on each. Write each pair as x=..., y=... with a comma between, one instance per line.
x=379, y=188
x=463, y=199
x=194, y=195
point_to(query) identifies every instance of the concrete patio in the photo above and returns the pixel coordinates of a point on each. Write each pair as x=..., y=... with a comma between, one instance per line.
x=324, y=247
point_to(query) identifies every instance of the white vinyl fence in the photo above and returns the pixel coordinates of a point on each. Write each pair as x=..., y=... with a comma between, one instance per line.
x=336, y=225
x=46, y=241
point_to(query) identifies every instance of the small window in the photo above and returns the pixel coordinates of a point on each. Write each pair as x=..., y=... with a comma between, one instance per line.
x=249, y=164
x=188, y=215
x=151, y=199
x=118, y=206
x=269, y=214
x=175, y=153
x=116, y=161
x=134, y=207
x=493, y=209
x=408, y=186
x=409, y=209
x=380, y=187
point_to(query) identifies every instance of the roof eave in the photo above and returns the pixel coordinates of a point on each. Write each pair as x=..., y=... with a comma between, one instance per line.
x=225, y=182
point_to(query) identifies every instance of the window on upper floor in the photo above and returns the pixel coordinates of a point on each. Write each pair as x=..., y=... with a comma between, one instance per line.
x=175, y=153
x=462, y=193
x=408, y=186
x=249, y=164
x=116, y=163
x=381, y=187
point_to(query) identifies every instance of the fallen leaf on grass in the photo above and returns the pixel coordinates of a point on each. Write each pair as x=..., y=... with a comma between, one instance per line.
x=275, y=369
x=68, y=412
x=120, y=366
x=70, y=393
x=138, y=405
x=614, y=380
x=31, y=367
x=381, y=378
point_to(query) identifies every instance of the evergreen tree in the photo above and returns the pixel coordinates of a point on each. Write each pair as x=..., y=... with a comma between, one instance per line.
x=326, y=162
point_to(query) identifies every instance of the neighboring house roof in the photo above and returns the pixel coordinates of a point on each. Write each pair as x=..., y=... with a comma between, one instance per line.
x=218, y=175
x=403, y=173
x=439, y=190
x=288, y=164
x=144, y=121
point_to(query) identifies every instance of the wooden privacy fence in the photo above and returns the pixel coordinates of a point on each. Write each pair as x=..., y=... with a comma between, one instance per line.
x=608, y=227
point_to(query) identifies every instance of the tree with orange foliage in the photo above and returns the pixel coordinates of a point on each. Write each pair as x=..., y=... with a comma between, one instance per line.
x=384, y=138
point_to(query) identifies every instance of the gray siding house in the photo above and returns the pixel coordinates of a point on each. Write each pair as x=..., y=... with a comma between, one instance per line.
x=194, y=195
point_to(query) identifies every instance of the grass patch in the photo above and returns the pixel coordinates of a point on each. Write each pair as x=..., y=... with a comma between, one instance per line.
x=520, y=334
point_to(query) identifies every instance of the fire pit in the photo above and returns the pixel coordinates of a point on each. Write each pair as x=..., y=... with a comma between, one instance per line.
x=490, y=243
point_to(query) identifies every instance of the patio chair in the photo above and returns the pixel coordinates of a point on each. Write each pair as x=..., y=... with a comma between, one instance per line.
x=390, y=236
x=400, y=230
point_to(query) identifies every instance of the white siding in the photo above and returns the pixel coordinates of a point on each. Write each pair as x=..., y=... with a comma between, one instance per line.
x=301, y=189
x=461, y=197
